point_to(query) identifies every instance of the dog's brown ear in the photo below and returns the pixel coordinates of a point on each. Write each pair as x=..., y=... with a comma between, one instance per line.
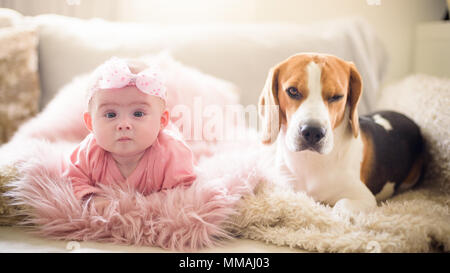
x=355, y=91
x=269, y=108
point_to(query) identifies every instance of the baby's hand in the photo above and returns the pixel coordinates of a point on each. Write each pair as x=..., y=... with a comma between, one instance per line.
x=99, y=203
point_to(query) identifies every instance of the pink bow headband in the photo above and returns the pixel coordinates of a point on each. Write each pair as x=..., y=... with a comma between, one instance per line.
x=115, y=73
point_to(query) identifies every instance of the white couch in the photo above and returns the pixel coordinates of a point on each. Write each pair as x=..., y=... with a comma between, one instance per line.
x=240, y=54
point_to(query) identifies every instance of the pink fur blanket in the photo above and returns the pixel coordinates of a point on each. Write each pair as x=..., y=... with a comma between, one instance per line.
x=177, y=219
x=180, y=218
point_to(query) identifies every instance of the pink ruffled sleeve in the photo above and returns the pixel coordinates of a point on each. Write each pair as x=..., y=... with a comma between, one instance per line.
x=79, y=169
x=177, y=161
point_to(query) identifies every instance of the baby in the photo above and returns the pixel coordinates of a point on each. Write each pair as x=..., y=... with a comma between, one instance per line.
x=129, y=143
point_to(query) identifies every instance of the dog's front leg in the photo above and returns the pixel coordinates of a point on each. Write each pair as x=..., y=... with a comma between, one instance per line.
x=354, y=199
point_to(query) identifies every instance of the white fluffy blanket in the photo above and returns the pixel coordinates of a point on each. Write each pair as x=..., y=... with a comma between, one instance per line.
x=237, y=193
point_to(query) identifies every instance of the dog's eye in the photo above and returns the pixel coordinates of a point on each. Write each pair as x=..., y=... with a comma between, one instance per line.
x=335, y=98
x=293, y=93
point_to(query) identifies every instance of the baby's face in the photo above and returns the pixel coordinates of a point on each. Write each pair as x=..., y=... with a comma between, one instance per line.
x=126, y=121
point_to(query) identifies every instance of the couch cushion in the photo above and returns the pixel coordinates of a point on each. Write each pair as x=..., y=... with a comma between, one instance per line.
x=19, y=84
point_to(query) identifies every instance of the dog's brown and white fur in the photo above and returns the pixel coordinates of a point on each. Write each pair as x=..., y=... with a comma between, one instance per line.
x=310, y=103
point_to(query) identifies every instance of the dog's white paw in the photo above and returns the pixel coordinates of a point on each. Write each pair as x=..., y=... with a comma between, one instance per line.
x=348, y=207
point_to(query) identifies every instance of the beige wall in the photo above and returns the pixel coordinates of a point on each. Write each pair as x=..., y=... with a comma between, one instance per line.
x=395, y=21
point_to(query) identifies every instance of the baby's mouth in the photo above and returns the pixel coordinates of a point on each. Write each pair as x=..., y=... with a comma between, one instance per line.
x=123, y=139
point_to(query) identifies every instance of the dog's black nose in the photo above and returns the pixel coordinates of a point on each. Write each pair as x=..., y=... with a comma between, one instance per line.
x=312, y=134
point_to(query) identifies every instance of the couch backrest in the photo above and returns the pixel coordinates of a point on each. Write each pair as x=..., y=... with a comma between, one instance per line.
x=240, y=53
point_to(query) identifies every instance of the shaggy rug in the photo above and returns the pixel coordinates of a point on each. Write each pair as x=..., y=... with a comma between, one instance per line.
x=416, y=221
x=237, y=194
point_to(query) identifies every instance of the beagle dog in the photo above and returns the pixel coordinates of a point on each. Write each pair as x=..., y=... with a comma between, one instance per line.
x=309, y=102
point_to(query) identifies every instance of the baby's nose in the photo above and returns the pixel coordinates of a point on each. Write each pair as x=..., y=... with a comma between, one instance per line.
x=124, y=125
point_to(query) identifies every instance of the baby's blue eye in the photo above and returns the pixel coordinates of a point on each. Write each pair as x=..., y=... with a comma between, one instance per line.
x=138, y=114
x=110, y=115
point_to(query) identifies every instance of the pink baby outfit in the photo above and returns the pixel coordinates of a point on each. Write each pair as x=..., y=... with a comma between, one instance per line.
x=166, y=164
